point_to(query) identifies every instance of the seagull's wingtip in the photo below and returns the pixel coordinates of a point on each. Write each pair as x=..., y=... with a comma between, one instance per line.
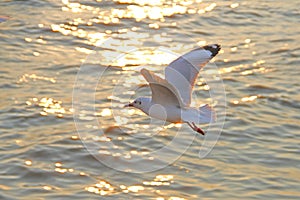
x=213, y=48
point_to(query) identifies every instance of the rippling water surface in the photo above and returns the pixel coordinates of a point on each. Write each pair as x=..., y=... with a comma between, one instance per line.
x=43, y=46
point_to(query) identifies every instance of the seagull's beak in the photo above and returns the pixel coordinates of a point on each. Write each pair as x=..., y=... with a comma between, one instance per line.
x=128, y=105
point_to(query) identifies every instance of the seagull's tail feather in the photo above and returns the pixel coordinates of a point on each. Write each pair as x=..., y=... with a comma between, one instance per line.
x=207, y=114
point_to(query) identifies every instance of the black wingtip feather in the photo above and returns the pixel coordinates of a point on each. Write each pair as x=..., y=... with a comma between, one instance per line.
x=213, y=48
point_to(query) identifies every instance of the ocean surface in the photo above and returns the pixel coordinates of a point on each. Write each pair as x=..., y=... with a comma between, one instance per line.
x=68, y=67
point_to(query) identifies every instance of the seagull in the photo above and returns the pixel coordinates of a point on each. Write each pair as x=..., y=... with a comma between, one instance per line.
x=171, y=96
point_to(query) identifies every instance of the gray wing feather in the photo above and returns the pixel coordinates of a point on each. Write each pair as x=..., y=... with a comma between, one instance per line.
x=163, y=93
x=183, y=72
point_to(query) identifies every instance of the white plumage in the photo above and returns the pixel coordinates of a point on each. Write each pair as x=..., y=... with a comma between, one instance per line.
x=171, y=97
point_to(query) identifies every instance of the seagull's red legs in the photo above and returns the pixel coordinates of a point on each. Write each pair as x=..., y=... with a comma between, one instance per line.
x=196, y=128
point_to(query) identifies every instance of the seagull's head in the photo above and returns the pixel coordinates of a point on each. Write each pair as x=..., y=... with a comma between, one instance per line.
x=140, y=103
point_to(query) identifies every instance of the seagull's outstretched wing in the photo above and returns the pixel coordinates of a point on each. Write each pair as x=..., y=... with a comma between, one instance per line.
x=163, y=93
x=183, y=71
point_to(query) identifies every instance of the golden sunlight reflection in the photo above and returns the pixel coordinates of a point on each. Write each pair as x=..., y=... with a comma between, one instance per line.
x=142, y=2
x=61, y=170
x=233, y=49
x=234, y=5
x=170, y=198
x=39, y=40
x=27, y=77
x=75, y=7
x=36, y=53
x=83, y=50
x=252, y=71
x=28, y=162
x=210, y=7
x=160, y=180
x=75, y=137
x=246, y=69
x=247, y=41
x=101, y=188
x=134, y=188
x=50, y=106
x=104, y=188
x=247, y=99
x=156, y=10
x=133, y=80
x=131, y=111
x=71, y=29
x=46, y=187
x=121, y=120
x=172, y=125
x=101, y=139
x=105, y=112
x=201, y=43
x=142, y=57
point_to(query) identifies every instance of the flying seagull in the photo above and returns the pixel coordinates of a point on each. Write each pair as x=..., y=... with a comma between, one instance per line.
x=171, y=97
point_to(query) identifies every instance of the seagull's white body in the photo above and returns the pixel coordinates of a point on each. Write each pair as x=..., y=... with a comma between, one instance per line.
x=171, y=97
